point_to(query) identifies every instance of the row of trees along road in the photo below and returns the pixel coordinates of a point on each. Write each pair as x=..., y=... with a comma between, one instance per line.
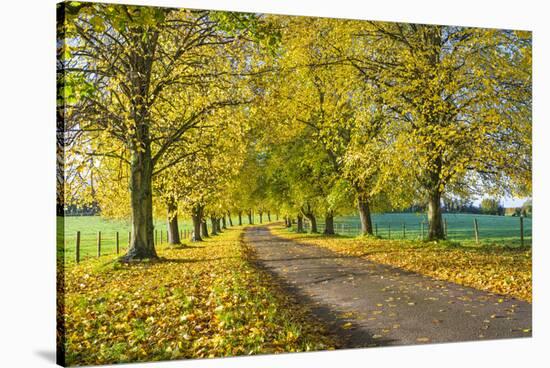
x=208, y=114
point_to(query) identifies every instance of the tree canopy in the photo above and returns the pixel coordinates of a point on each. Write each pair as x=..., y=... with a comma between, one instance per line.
x=204, y=114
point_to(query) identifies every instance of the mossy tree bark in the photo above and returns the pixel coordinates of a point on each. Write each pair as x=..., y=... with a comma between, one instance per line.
x=300, y=223
x=308, y=213
x=142, y=239
x=173, y=230
x=204, y=228
x=435, y=217
x=364, y=215
x=142, y=244
x=214, y=227
x=196, y=215
x=329, y=223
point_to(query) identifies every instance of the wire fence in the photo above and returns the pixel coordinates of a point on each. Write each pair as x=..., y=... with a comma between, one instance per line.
x=513, y=231
x=85, y=237
x=81, y=245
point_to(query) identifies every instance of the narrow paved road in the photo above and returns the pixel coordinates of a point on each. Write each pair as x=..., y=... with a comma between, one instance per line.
x=369, y=304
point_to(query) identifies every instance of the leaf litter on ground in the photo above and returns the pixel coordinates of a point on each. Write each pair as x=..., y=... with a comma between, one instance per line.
x=198, y=301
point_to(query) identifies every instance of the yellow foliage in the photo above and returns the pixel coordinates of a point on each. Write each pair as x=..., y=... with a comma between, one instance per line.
x=497, y=270
x=198, y=301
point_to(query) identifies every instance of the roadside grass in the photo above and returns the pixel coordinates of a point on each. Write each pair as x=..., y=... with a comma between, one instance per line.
x=90, y=225
x=493, y=230
x=498, y=269
x=199, y=300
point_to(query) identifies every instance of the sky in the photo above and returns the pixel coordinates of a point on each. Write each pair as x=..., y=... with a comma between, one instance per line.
x=507, y=202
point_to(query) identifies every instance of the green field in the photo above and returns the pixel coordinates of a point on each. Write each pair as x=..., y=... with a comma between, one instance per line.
x=502, y=230
x=90, y=225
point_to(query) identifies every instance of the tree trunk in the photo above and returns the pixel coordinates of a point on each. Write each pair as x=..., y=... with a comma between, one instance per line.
x=435, y=218
x=224, y=224
x=268, y=216
x=329, y=223
x=219, y=224
x=300, y=223
x=196, y=215
x=261, y=216
x=229, y=219
x=173, y=231
x=141, y=172
x=204, y=228
x=250, y=217
x=141, y=162
x=214, y=221
x=364, y=215
x=313, y=221
x=240, y=219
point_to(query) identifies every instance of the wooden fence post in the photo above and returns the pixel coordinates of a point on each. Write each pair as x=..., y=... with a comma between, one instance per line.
x=404, y=231
x=389, y=231
x=77, y=250
x=99, y=243
x=375, y=229
x=117, y=244
x=476, y=230
x=422, y=230
x=521, y=230
x=445, y=228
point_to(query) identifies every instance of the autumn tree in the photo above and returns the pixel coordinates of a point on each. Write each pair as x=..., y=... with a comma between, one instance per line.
x=334, y=111
x=462, y=99
x=491, y=206
x=145, y=77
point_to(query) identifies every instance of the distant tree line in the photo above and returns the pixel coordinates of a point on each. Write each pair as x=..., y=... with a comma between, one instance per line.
x=84, y=210
x=488, y=206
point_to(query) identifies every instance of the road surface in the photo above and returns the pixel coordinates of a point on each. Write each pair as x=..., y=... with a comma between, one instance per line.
x=368, y=304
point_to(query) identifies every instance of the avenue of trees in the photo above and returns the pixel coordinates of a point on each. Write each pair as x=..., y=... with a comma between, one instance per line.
x=215, y=116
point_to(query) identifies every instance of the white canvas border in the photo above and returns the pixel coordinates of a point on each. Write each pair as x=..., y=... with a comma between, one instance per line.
x=27, y=181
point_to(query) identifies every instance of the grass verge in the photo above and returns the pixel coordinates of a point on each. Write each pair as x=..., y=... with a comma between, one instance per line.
x=499, y=270
x=203, y=300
